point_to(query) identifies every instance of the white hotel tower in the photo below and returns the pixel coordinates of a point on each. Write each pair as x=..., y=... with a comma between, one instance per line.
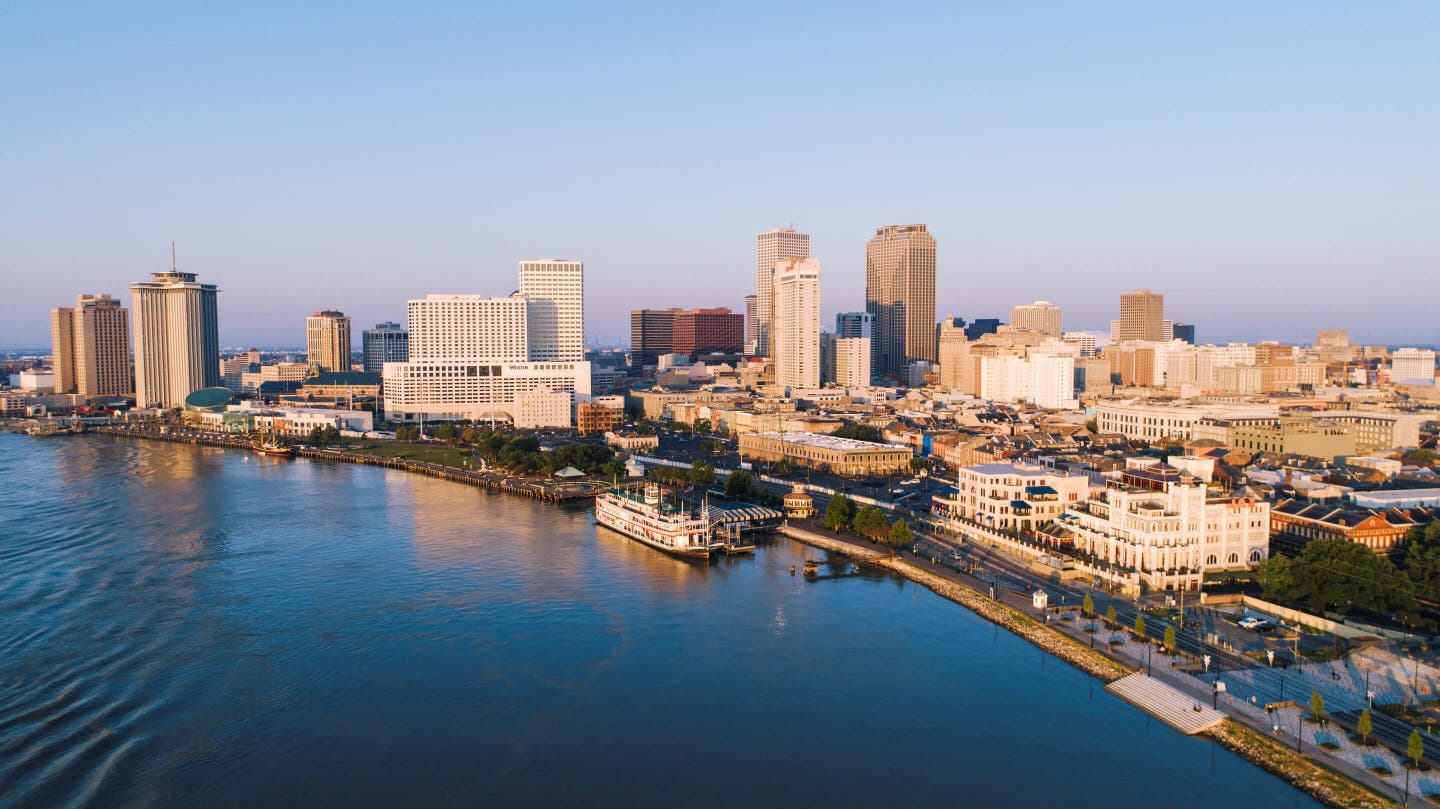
x=518, y=358
x=795, y=329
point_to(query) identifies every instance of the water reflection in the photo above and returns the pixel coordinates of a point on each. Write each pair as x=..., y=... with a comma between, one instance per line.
x=188, y=623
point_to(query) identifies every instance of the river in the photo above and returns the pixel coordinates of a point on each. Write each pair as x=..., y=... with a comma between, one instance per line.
x=190, y=626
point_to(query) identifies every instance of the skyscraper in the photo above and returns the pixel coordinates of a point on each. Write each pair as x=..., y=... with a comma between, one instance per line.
x=900, y=293
x=177, y=338
x=751, y=307
x=91, y=345
x=795, y=330
x=387, y=342
x=1040, y=316
x=770, y=247
x=1142, y=317
x=652, y=333
x=555, y=291
x=327, y=340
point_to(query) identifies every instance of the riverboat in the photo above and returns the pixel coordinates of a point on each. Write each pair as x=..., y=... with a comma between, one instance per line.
x=643, y=515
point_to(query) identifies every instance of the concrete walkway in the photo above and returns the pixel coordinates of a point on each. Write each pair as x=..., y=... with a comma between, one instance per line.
x=1172, y=706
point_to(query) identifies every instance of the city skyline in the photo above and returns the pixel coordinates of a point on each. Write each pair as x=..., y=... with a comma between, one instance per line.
x=1189, y=150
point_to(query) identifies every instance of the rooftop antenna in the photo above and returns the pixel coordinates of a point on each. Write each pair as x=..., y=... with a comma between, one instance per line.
x=174, y=267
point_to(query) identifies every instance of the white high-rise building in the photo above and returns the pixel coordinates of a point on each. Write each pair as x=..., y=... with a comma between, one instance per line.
x=1089, y=344
x=473, y=357
x=459, y=328
x=852, y=362
x=1412, y=365
x=1044, y=379
x=795, y=330
x=770, y=247
x=177, y=338
x=555, y=290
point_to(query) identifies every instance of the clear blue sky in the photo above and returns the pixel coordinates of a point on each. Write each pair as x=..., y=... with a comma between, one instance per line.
x=1272, y=168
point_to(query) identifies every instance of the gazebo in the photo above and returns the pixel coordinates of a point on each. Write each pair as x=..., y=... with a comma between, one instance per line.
x=798, y=504
x=569, y=473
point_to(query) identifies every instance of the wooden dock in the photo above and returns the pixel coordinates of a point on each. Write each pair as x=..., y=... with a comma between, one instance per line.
x=1172, y=706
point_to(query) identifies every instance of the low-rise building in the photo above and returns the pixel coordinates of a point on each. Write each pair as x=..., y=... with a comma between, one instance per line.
x=632, y=442
x=598, y=417
x=1295, y=522
x=1011, y=497
x=842, y=456
x=1163, y=529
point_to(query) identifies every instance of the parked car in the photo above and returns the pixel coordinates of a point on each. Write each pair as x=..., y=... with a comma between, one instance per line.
x=1250, y=622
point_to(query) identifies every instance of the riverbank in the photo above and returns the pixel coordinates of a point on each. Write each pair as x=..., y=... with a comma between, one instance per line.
x=1329, y=787
x=510, y=484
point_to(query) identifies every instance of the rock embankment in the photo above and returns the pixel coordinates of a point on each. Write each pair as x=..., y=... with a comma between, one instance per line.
x=1326, y=786
x=1068, y=649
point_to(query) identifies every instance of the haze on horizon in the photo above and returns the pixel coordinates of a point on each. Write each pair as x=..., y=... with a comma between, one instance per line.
x=1271, y=169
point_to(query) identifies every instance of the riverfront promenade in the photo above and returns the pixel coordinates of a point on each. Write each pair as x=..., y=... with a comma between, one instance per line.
x=1332, y=780
x=499, y=481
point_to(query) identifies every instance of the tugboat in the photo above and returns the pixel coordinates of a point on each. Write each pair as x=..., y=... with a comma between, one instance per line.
x=644, y=516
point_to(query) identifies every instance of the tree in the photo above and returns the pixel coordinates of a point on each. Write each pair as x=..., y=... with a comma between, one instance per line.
x=316, y=437
x=1336, y=574
x=1110, y=615
x=900, y=534
x=918, y=465
x=330, y=435
x=1422, y=566
x=1139, y=625
x=1421, y=455
x=446, y=432
x=740, y=485
x=470, y=436
x=1170, y=641
x=701, y=426
x=1317, y=707
x=839, y=513
x=1415, y=748
x=702, y=474
x=1087, y=606
x=870, y=523
x=859, y=432
x=1364, y=726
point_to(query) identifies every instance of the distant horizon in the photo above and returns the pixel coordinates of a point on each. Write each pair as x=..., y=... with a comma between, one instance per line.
x=1272, y=173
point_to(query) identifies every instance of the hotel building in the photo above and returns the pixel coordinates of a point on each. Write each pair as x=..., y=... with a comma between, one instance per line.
x=91, y=347
x=473, y=357
x=795, y=329
x=770, y=247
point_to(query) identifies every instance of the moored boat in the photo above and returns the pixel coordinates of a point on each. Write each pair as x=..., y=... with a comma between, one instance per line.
x=643, y=515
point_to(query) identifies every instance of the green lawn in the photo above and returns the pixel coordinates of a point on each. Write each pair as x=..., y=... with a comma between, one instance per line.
x=430, y=453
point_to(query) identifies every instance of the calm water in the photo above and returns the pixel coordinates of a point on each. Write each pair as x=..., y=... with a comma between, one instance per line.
x=195, y=627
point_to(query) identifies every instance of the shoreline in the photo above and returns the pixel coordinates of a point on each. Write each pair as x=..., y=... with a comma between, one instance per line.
x=1327, y=786
x=1313, y=778
x=508, y=484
